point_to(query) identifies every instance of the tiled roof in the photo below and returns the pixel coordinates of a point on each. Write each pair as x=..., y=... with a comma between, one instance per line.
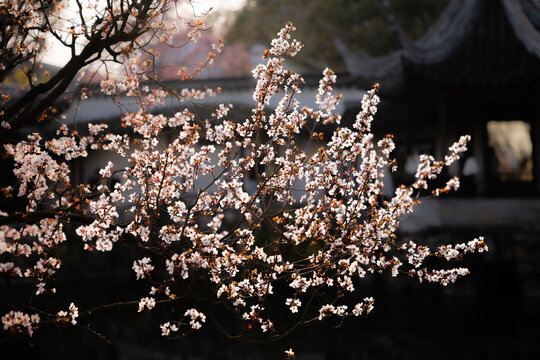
x=474, y=42
x=493, y=52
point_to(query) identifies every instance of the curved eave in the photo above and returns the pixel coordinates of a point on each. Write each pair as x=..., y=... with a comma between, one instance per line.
x=474, y=42
x=448, y=33
x=439, y=42
x=522, y=24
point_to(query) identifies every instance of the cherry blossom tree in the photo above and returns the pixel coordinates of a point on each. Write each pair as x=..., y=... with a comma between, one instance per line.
x=107, y=32
x=312, y=225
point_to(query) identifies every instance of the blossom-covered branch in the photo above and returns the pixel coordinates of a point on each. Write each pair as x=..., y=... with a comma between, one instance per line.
x=307, y=225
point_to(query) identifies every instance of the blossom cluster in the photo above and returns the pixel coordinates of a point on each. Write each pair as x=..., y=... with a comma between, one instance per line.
x=308, y=220
x=17, y=321
x=69, y=316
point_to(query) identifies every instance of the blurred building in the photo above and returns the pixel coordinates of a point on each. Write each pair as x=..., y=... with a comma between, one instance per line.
x=475, y=72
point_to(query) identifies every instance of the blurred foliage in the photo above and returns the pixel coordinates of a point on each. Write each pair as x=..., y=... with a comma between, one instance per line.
x=362, y=24
x=19, y=76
